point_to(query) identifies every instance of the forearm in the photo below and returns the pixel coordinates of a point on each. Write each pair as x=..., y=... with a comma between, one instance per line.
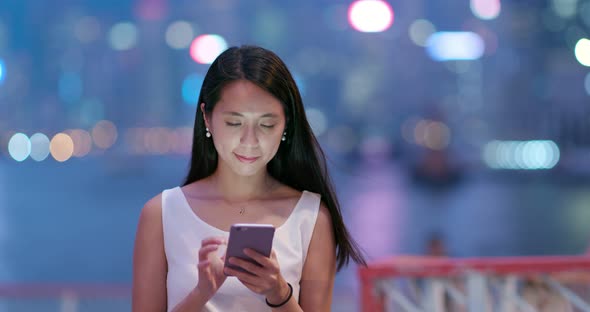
x=279, y=295
x=291, y=306
x=194, y=301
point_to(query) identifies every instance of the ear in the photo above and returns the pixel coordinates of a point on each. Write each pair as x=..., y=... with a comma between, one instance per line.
x=204, y=115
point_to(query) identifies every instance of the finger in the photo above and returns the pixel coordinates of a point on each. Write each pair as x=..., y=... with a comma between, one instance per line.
x=204, y=251
x=212, y=240
x=253, y=268
x=258, y=257
x=251, y=286
x=242, y=276
x=203, y=264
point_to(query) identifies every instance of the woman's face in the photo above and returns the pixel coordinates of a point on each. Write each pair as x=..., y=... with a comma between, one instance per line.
x=246, y=127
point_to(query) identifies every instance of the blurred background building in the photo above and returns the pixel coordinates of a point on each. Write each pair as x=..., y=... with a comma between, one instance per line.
x=463, y=120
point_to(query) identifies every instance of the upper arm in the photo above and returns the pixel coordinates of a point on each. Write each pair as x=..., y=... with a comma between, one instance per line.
x=149, y=260
x=319, y=270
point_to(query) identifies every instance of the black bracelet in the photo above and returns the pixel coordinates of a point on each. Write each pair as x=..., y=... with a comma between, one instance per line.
x=282, y=303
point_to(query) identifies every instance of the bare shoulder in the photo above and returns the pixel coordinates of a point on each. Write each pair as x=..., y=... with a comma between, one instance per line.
x=152, y=210
x=324, y=217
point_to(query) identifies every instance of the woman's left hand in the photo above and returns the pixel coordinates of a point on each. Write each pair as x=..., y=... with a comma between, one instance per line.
x=263, y=278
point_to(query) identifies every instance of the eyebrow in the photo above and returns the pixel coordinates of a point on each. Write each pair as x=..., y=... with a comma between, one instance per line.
x=267, y=115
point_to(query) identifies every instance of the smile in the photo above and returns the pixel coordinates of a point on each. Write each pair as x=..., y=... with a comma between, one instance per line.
x=247, y=160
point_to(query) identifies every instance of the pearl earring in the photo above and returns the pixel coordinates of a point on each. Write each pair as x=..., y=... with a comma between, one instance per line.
x=207, y=133
x=284, y=138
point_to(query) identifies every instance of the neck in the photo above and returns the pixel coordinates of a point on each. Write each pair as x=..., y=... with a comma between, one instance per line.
x=234, y=188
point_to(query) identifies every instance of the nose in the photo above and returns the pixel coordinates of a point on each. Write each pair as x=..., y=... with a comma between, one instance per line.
x=249, y=136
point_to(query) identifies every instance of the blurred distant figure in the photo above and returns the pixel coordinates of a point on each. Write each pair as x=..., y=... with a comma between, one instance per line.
x=436, y=170
x=435, y=246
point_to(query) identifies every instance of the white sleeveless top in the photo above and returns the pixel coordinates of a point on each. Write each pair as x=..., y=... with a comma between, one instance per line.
x=184, y=230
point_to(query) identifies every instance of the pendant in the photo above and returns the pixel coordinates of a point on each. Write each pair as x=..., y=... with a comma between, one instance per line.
x=242, y=210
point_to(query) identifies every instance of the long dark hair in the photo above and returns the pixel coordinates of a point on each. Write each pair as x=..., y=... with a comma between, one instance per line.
x=300, y=162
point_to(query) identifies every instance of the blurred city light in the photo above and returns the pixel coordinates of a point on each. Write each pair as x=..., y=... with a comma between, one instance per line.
x=584, y=13
x=2, y=71
x=431, y=134
x=70, y=87
x=300, y=83
x=437, y=136
x=317, y=120
x=104, y=134
x=19, y=147
x=370, y=15
x=184, y=142
x=61, y=147
x=179, y=35
x=564, y=8
x=123, y=36
x=191, y=88
x=39, y=146
x=448, y=46
x=420, y=30
x=521, y=155
x=205, y=48
x=82, y=142
x=582, y=51
x=485, y=9
x=151, y=10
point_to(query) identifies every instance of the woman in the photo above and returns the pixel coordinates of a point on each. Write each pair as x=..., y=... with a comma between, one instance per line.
x=254, y=160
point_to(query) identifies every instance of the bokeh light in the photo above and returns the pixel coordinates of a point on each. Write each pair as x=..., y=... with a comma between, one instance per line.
x=448, y=46
x=184, y=140
x=123, y=36
x=584, y=13
x=521, y=155
x=82, y=142
x=437, y=136
x=61, y=147
x=179, y=35
x=19, y=147
x=159, y=140
x=587, y=83
x=370, y=15
x=39, y=146
x=104, y=134
x=420, y=30
x=205, y=48
x=317, y=120
x=2, y=71
x=300, y=83
x=582, y=51
x=70, y=87
x=485, y=9
x=151, y=10
x=564, y=8
x=191, y=88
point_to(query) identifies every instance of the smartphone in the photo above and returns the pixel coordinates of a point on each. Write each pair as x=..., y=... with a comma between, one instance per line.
x=246, y=235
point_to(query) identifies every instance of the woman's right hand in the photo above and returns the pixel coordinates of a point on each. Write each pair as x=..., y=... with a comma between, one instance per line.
x=210, y=266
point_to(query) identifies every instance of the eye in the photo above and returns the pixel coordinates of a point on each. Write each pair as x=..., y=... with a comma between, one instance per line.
x=231, y=124
x=268, y=126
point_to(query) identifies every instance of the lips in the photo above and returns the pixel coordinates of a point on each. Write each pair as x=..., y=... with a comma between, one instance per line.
x=245, y=159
